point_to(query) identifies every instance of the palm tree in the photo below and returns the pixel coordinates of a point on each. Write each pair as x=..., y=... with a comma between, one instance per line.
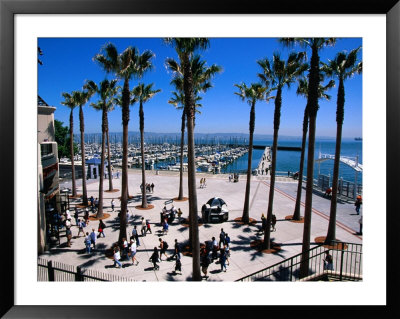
x=178, y=100
x=315, y=44
x=201, y=75
x=201, y=81
x=106, y=91
x=185, y=47
x=126, y=65
x=302, y=89
x=343, y=66
x=142, y=94
x=280, y=74
x=251, y=94
x=81, y=98
x=71, y=104
x=92, y=87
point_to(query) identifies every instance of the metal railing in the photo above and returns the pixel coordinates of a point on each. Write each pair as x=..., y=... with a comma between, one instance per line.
x=49, y=270
x=347, y=265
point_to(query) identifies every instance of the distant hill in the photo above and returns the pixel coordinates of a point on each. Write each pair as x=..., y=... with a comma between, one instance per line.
x=154, y=137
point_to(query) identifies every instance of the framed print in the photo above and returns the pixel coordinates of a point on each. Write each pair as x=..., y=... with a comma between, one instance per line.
x=72, y=25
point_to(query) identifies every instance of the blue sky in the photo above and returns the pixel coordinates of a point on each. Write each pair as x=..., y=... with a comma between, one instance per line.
x=67, y=63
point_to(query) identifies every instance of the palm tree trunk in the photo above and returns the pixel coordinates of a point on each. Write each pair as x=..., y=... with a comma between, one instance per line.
x=296, y=214
x=110, y=177
x=82, y=128
x=141, y=117
x=71, y=134
x=190, y=107
x=245, y=215
x=103, y=151
x=331, y=235
x=312, y=107
x=124, y=186
x=180, y=196
x=277, y=117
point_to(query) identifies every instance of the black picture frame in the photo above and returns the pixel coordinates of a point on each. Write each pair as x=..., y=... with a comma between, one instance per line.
x=9, y=8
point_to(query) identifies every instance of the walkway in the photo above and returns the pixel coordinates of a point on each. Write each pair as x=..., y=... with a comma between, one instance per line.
x=243, y=261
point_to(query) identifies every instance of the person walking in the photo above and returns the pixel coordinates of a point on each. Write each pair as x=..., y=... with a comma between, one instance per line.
x=152, y=187
x=222, y=260
x=328, y=261
x=93, y=237
x=360, y=221
x=81, y=225
x=133, y=250
x=112, y=204
x=165, y=226
x=227, y=252
x=263, y=223
x=92, y=202
x=136, y=235
x=76, y=216
x=214, y=246
x=163, y=248
x=177, y=250
x=154, y=259
x=221, y=238
x=143, y=230
x=68, y=232
x=86, y=216
x=100, y=229
x=205, y=262
x=88, y=242
x=117, y=257
x=125, y=248
x=358, y=204
x=148, y=226
x=201, y=182
x=273, y=222
x=179, y=213
x=227, y=240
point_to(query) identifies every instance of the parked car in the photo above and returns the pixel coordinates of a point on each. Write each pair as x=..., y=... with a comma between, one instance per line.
x=215, y=210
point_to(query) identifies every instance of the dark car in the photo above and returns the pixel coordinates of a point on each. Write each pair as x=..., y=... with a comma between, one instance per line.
x=215, y=210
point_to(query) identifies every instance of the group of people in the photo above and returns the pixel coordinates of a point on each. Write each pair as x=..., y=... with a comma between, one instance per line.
x=210, y=251
x=264, y=223
x=149, y=187
x=203, y=182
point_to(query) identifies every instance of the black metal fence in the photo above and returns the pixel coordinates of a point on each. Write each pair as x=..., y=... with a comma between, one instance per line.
x=347, y=265
x=49, y=270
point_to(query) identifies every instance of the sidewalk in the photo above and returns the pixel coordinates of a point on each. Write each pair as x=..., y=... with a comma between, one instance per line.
x=243, y=261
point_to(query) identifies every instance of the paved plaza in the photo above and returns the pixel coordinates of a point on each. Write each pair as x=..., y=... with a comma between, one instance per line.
x=243, y=261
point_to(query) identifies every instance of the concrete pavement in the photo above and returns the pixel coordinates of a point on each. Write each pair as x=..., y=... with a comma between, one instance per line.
x=243, y=261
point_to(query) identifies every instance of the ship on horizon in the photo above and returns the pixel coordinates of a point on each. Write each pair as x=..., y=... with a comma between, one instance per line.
x=358, y=138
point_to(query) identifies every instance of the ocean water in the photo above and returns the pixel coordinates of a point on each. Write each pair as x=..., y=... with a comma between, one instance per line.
x=290, y=160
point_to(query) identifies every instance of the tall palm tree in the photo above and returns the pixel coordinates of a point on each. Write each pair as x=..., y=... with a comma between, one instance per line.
x=178, y=100
x=343, y=66
x=92, y=87
x=71, y=104
x=81, y=98
x=125, y=65
x=201, y=79
x=302, y=90
x=315, y=45
x=106, y=91
x=185, y=48
x=201, y=75
x=142, y=94
x=279, y=73
x=251, y=94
